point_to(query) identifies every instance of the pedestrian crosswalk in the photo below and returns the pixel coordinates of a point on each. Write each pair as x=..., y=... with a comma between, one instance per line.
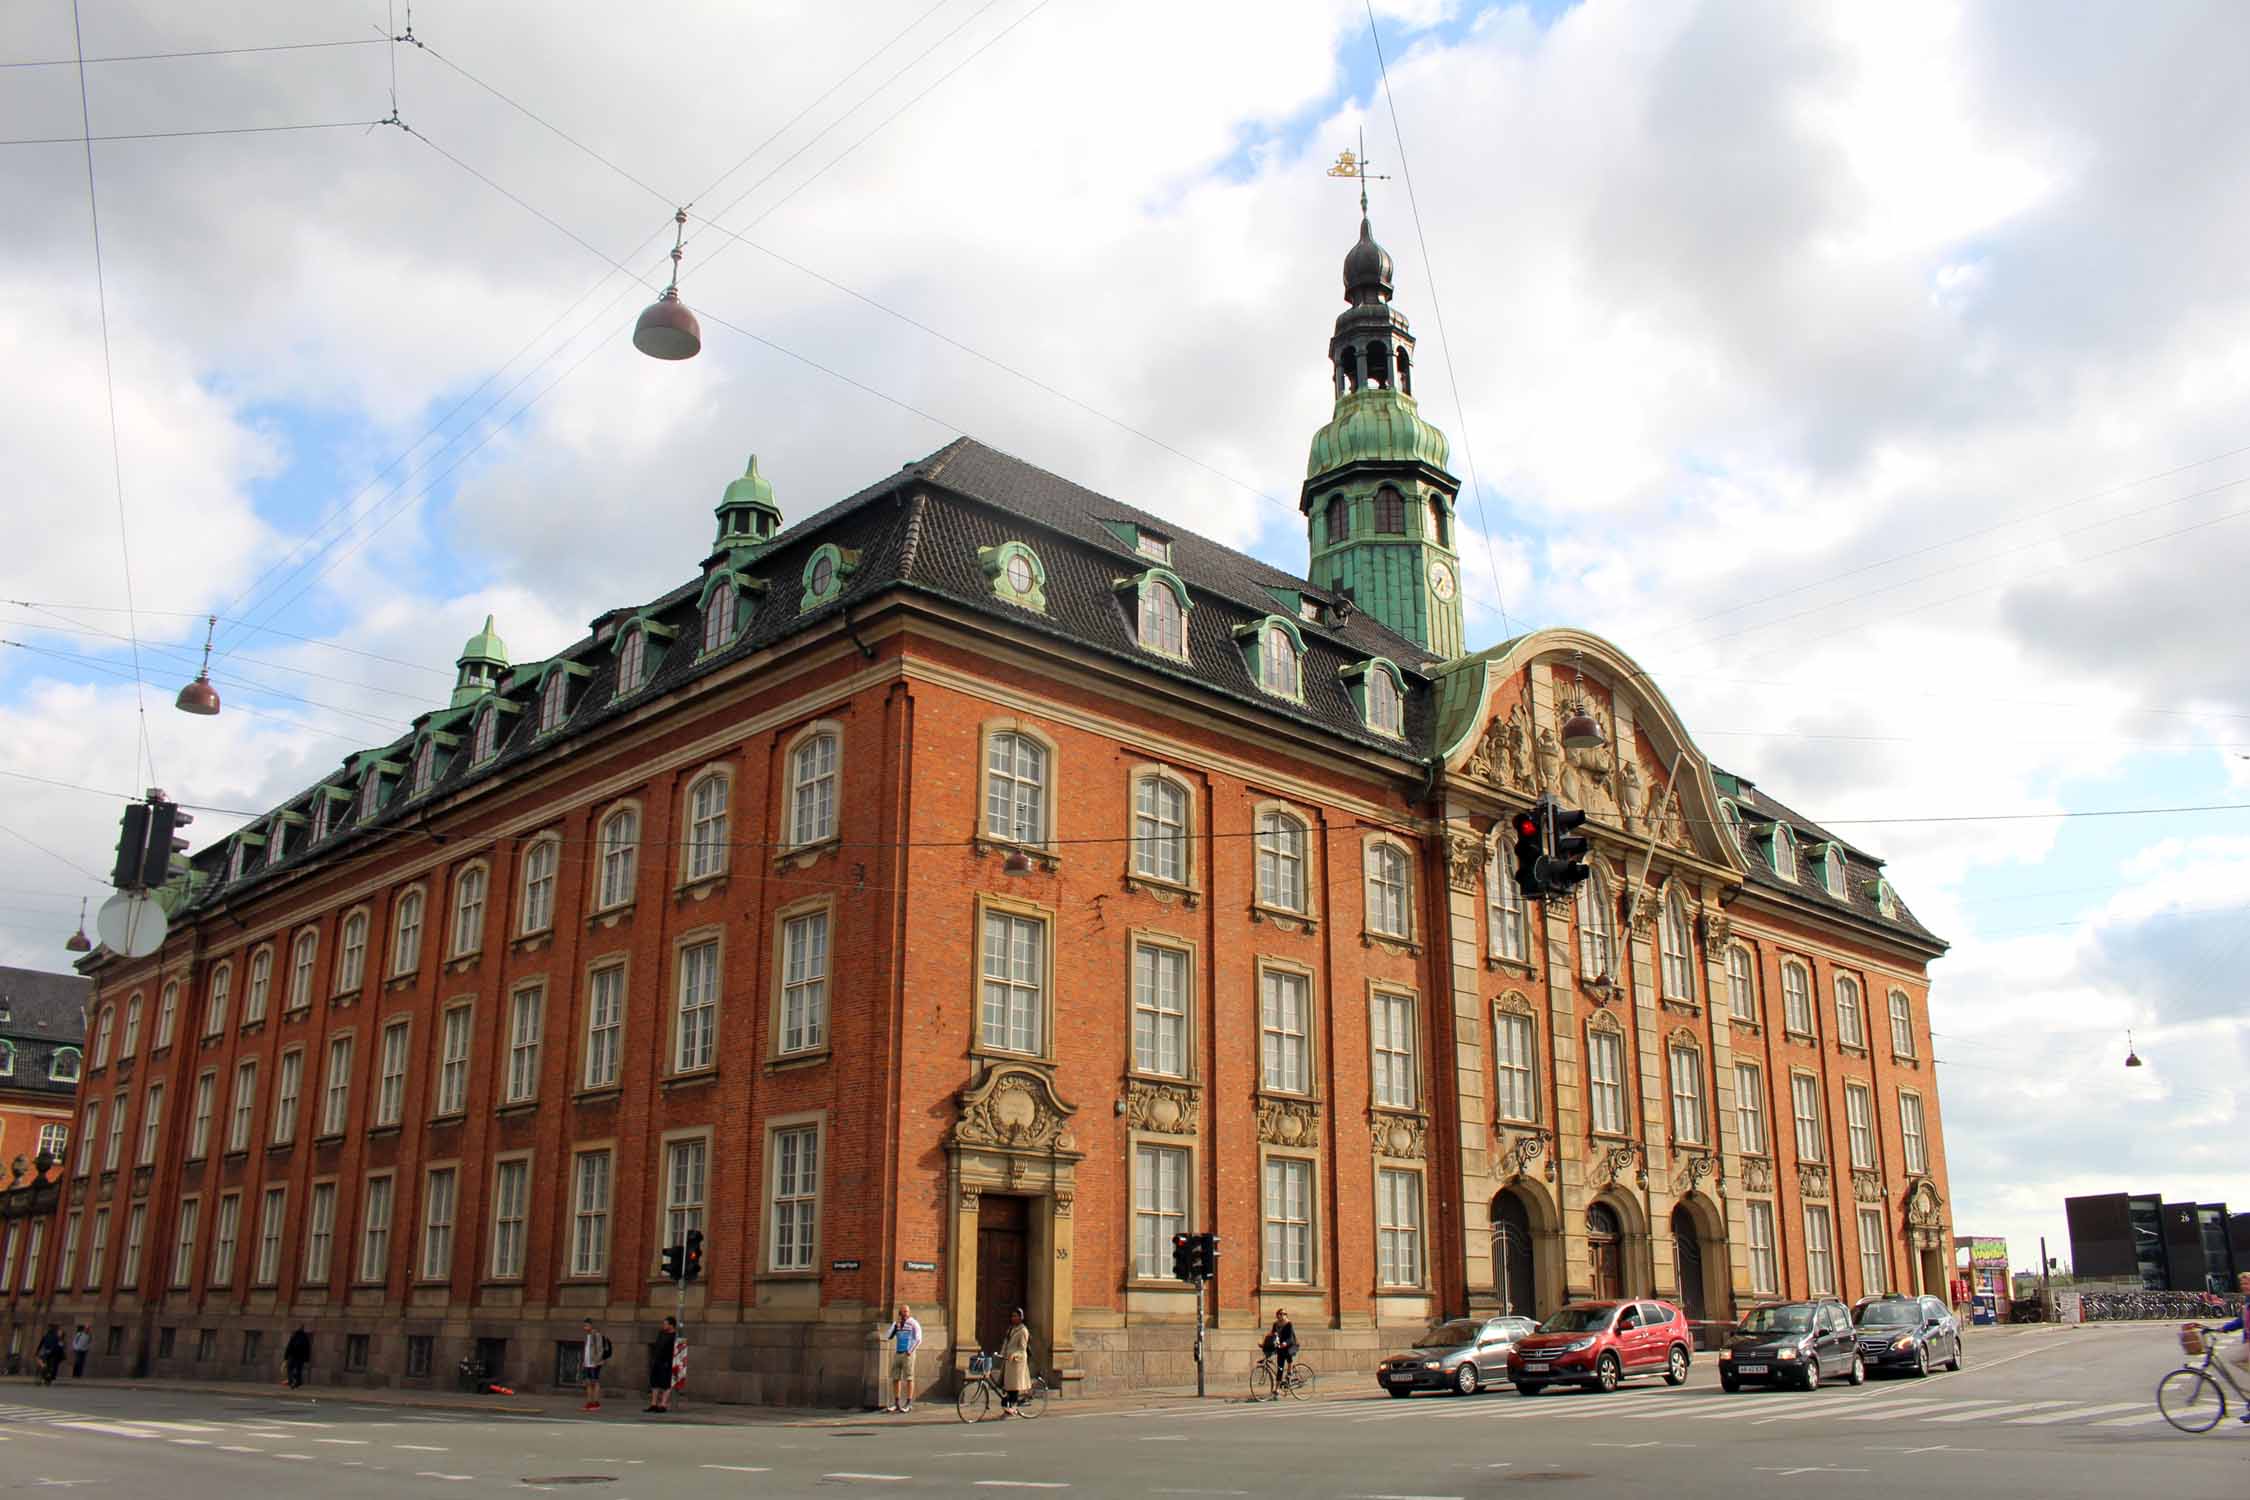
x=193, y=1433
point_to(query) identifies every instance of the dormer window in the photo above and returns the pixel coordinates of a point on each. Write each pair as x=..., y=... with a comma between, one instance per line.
x=718, y=617
x=1783, y=852
x=1886, y=900
x=487, y=742
x=1379, y=693
x=632, y=661
x=320, y=815
x=554, y=701
x=237, y=857
x=1160, y=606
x=425, y=766
x=1155, y=546
x=64, y=1066
x=1278, y=668
x=370, y=794
x=1016, y=574
x=825, y=575
x=1834, y=872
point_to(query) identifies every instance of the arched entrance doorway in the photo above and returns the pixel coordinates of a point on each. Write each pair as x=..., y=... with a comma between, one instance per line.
x=1687, y=1265
x=1514, y=1272
x=1605, y=1239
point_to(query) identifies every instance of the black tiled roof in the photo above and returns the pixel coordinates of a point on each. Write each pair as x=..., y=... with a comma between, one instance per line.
x=1862, y=870
x=45, y=1013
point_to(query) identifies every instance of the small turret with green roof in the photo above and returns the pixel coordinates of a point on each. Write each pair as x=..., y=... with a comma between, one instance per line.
x=481, y=662
x=748, y=517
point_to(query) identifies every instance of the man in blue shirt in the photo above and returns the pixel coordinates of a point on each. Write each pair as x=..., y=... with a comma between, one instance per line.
x=904, y=1338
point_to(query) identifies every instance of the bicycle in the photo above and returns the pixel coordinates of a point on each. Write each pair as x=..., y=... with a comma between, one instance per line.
x=1266, y=1384
x=980, y=1391
x=2193, y=1398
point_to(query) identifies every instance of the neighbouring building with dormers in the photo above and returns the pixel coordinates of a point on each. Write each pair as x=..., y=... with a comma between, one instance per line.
x=951, y=896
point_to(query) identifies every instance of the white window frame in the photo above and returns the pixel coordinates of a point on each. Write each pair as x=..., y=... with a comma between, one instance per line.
x=167, y=1016
x=406, y=935
x=66, y=1259
x=130, y=1042
x=1765, y=1278
x=697, y=968
x=97, y=1250
x=390, y=1076
x=456, y=1035
x=260, y=992
x=1163, y=995
x=152, y=1123
x=687, y=1186
x=605, y=1027
x=105, y=1029
x=1386, y=705
x=1811, y=1135
x=1284, y=841
x=1796, y=999
x=1392, y=1052
x=1820, y=1251
x=1874, y=1252
x=527, y=1016
x=632, y=661
x=215, y=1003
x=1901, y=1006
x=336, y=1087
x=1515, y=1052
x=1605, y=1082
x=289, y=1080
x=1390, y=891
x=1859, y=1124
x=242, y=1111
x=1398, y=1227
x=1161, y=828
x=129, y=1256
x=1018, y=790
x=511, y=1216
x=87, y=1130
x=469, y=889
x=304, y=964
x=377, y=1205
x=1597, y=927
x=1161, y=623
x=226, y=1235
x=709, y=798
x=793, y=1210
x=351, y=953
x=816, y=764
x=1505, y=930
x=440, y=1197
x=1285, y=1030
x=1742, y=984
x=1684, y=1064
x=537, y=888
x=320, y=1234
x=1161, y=1175
x=806, y=943
x=1851, y=1011
x=1678, y=947
x=1016, y=950
x=184, y=1243
x=618, y=847
x=1914, y=1148
x=113, y=1148
x=1750, y=1109
x=1288, y=1214
x=1280, y=671
x=554, y=701
x=273, y=1208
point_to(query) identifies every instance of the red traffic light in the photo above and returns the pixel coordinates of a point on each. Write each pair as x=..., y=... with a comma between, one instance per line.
x=1527, y=826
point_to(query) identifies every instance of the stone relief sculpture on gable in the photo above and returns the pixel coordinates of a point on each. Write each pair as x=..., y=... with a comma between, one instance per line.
x=1503, y=755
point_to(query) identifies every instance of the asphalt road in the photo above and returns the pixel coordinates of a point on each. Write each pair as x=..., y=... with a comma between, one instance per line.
x=2044, y=1413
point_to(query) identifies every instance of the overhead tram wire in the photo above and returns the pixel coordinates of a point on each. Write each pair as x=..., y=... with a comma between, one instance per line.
x=51, y=854
x=256, y=690
x=183, y=654
x=126, y=57
x=1437, y=313
x=199, y=614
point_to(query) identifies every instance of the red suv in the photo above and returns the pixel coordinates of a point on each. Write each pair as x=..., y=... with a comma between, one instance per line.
x=1597, y=1344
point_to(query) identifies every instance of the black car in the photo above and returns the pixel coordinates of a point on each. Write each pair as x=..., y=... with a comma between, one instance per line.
x=1907, y=1334
x=1792, y=1343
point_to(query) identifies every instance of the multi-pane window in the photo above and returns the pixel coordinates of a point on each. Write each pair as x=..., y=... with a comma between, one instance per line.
x=390, y=1076
x=243, y=1109
x=1763, y=1278
x=620, y=854
x=1784, y=853
x=590, y=1215
x=1285, y=1031
x=1687, y=1094
x=114, y=1146
x=261, y=987
x=1902, y=1025
x=1386, y=891
x=1160, y=1010
x=375, y=1231
x=812, y=791
x=1750, y=1108
x=707, y=827
x=453, y=1062
x=167, y=1015
x=1393, y=1079
x=1597, y=941
x=320, y=1232
x=1605, y=1071
x=686, y=1167
x=66, y=1261
x=1911, y=1144
x=526, y=1015
x=1390, y=511
x=183, y=1243
x=152, y=1122
x=696, y=1029
x=336, y=1100
x=1014, y=1012
x=289, y=1077
x=320, y=806
x=351, y=956
x=1160, y=1178
x=487, y=741
x=1679, y=955
x=1859, y=1124
x=1288, y=1191
x=1163, y=623
x=632, y=661
x=104, y=1027
x=1804, y=1102
x=539, y=885
x=1398, y=1227
x=1277, y=662
x=511, y=1193
x=1796, y=999
x=129, y=1256
x=226, y=1229
x=303, y=956
x=1850, y=1027
x=1281, y=861
x=1503, y=913
x=131, y=1040
x=406, y=934
x=1742, y=985
x=1386, y=712
x=468, y=912
x=215, y=1004
x=437, y=1223
x=1820, y=1252
x=1512, y=1039
x=1874, y=1264
x=605, y=1024
x=1015, y=789
x=31, y=1256
x=554, y=697
x=86, y=1134
x=796, y=1197
x=267, y=1271
x=804, y=982
x=718, y=617
x=1160, y=812
x=97, y=1250
x=53, y=1140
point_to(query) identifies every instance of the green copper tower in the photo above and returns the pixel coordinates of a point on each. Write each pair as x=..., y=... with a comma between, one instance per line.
x=1377, y=501
x=748, y=516
x=479, y=666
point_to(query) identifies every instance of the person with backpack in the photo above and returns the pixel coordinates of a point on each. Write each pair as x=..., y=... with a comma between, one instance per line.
x=591, y=1358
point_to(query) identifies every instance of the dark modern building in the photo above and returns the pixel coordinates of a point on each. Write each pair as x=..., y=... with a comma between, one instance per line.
x=2181, y=1247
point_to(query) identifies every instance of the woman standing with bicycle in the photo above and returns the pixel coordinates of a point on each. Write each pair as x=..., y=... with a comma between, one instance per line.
x=1015, y=1364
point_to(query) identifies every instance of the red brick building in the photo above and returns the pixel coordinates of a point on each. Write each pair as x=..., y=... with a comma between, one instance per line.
x=948, y=898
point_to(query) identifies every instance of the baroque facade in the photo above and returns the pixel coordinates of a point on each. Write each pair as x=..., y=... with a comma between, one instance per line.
x=948, y=898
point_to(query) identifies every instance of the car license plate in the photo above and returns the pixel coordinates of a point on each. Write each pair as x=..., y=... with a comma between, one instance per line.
x=1402, y=1377
x=1535, y=1364
x=1749, y=1369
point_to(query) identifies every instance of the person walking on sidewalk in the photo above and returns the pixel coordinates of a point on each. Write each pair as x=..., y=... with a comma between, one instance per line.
x=50, y=1354
x=660, y=1365
x=590, y=1359
x=295, y=1355
x=905, y=1337
x=81, y=1344
x=1015, y=1365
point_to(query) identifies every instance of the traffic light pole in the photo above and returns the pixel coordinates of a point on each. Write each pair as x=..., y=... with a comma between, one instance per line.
x=1199, y=1340
x=1655, y=824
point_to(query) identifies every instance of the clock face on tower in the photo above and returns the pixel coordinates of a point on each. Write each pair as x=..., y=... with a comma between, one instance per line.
x=1441, y=580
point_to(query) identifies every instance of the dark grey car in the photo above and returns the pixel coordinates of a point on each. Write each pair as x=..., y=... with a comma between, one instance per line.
x=1461, y=1354
x=1792, y=1343
x=1907, y=1334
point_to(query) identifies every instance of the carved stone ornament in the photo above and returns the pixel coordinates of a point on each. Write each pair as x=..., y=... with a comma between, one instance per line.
x=1167, y=1108
x=970, y=1198
x=1288, y=1122
x=1718, y=928
x=1403, y=1136
x=1812, y=1180
x=1527, y=1148
x=1757, y=1174
x=1694, y=1167
x=1503, y=756
x=1064, y=1203
x=1645, y=913
x=1015, y=1108
x=1867, y=1185
x=1924, y=1208
x=1617, y=1158
x=1464, y=858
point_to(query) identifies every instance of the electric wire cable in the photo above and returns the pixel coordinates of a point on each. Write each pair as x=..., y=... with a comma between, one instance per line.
x=126, y=57
x=169, y=135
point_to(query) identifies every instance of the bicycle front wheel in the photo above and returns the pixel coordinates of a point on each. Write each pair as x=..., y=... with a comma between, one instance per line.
x=1301, y=1378
x=975, y=1401
x=2191, y=1400
x=1033, y=1403
x=1261, y=1382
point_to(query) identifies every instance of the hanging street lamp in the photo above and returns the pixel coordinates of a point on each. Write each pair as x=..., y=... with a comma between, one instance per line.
x=667, y=330
x=199, y=697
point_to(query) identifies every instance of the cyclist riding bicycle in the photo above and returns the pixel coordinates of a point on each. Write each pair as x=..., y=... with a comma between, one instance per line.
x=2238, y=1353
x=1280, y=1345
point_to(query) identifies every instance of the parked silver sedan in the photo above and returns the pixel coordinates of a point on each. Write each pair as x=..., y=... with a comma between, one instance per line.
x=1460, y=1355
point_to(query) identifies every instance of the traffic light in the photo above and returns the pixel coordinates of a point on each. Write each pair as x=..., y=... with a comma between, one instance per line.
x=1531, y=844
x=692, y=1266
x=675, y=1257
x=1565, y=864
x=163, y=842
x=1207, y=1255
x=132, y=845
x=1183, y=1257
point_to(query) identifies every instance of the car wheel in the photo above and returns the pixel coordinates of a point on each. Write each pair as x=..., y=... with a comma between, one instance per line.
x=1527, y=1387
x=1858, y=1375
x=1729, y=1383
x=1466, y=1382
x=1607, y=1373
x=1675, y=1368
x=1400, y=1391
x=1960, y=1352
x=1921, y=1361
x=1812, y=1374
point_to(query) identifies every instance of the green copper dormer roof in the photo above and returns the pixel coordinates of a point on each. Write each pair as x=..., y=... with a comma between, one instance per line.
x=748, y=516
x=1376, y=424
x=481, y=662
